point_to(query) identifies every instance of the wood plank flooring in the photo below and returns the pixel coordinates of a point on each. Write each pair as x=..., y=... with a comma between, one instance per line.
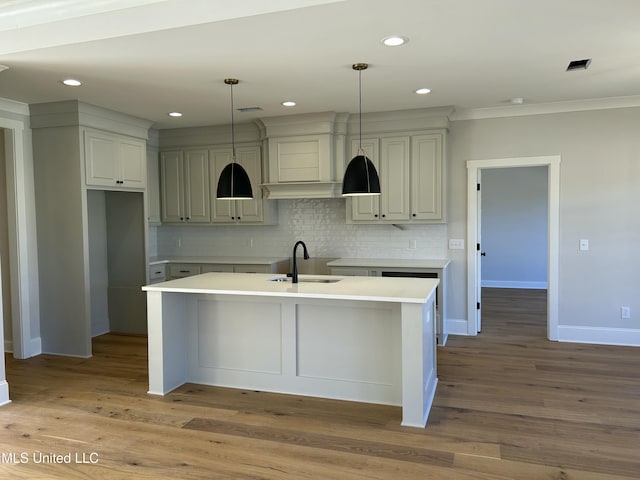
x=509, y=405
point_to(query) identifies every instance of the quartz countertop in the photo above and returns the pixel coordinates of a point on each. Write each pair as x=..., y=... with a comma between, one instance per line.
x=218, y=260
x=389, y=263
x=376, y=289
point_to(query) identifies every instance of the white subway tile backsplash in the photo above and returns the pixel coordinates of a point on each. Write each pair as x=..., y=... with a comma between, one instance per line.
x=319, y=222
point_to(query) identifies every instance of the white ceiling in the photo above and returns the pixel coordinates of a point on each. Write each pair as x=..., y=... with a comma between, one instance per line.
x=148, y=58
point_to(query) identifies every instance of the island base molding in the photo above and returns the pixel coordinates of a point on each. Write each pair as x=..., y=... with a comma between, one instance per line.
x=365, y=351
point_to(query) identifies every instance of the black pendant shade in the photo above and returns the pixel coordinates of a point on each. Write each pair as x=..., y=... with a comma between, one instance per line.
x=360, y=178
x=234, y=183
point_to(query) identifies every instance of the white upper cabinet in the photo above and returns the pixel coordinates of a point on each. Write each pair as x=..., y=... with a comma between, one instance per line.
x=411, y=180
x=115, y=161
x=237, y=211
x=185, y=186
x=426, y=177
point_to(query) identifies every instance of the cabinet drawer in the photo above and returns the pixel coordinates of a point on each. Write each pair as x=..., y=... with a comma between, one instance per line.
x=183, y=270
x=216, y=267
x=157, y=273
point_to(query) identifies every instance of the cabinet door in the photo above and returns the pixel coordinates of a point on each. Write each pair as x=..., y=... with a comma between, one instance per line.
x=196, y=174
x=222, y=211
x=172, y=186
x=394, y=178
x=132, y=162
x=426, y=177
x=101, y=159
x=153, y=187
x=250, y=210
x=366, y=207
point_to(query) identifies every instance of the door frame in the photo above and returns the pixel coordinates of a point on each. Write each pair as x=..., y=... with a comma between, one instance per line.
x=22, y=249
x=552, y=163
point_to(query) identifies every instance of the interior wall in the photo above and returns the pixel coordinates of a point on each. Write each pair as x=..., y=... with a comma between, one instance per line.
x=599, y=196
x=514, y=227
x=99, y=278
x=126, y=262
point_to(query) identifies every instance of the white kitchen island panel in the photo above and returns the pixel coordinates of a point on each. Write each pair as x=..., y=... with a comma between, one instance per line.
x=238, y=336
x=352, y=345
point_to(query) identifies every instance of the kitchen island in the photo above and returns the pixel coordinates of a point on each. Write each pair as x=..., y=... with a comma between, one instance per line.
x=366, y=339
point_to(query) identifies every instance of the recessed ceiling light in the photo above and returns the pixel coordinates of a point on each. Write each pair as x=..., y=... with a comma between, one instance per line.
x=516, y=101
x=289, y=103
x=394, y=40
x=423, y=91
x=72, y=82
x=175, y=114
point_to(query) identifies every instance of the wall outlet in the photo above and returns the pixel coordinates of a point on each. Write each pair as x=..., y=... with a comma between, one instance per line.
x=250, y=243
x=179, y=243
x=456, y=244
x=625, y=312
x=584, y=245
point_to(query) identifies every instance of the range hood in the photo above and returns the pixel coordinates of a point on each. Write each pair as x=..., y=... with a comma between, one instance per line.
x=290, y=190
x=305, y=155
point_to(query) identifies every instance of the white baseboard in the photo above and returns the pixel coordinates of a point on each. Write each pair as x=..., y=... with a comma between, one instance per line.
x=457, y=326
x=599, y=335
x=4, y=393
x=513, y=284
x=35, y=347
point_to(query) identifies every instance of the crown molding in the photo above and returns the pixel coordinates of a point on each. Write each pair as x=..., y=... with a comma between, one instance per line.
x=14, y=107
x=545, y=108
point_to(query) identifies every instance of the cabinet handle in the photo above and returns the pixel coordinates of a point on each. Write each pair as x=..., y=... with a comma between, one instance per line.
x=383, y=215
x=233, y=218
x=188, y=218
x=238, y=218
x=414, y=215
x=182, y=219
x=375, y=215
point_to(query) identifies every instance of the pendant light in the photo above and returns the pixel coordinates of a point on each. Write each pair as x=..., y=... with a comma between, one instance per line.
x=234, y=183
x=360, y=177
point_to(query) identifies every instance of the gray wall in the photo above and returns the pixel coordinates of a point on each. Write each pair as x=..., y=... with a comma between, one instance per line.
x=514, y=227
x=599, y=199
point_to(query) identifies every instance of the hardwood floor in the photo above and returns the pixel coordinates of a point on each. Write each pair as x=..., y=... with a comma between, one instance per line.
x=509, y=405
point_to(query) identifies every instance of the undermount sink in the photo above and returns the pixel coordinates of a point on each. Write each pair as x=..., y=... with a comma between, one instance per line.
x=305, y=280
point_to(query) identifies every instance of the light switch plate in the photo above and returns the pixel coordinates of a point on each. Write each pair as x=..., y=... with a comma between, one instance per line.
x=584, y=245
x=456, y=244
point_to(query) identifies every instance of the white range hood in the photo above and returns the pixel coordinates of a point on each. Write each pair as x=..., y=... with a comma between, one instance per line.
x=305, y=155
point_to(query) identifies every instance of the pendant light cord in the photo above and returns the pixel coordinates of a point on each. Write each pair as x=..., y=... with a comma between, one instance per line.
x=360, y=149
x=233, y=135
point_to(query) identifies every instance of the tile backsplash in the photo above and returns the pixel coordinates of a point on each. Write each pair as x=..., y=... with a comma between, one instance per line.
x=319, y=222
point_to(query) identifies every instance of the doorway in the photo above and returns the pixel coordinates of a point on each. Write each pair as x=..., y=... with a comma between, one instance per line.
x=513, y=219
x=474, y=285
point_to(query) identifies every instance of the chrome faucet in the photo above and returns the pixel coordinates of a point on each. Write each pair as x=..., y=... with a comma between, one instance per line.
x=294, y=274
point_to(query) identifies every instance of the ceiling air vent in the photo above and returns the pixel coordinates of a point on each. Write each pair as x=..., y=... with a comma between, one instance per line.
x=578, y=64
